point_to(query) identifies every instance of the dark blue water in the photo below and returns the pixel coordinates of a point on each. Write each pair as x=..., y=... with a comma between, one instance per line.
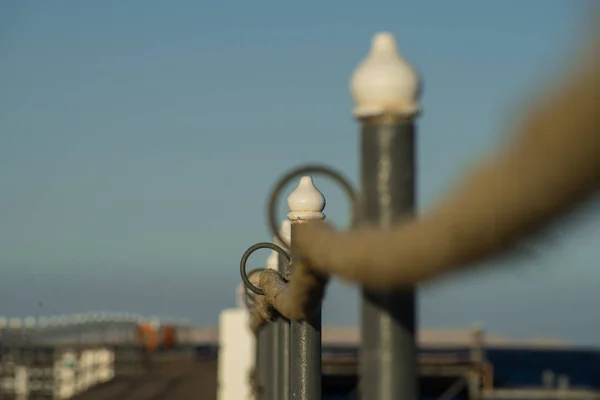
x=519, y=368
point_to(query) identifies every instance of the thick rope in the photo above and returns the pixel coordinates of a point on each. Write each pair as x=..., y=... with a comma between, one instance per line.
x=550, y=167
x=295, y=298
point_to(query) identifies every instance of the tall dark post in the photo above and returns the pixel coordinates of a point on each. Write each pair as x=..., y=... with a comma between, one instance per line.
x=306, y=203
x=385, y=88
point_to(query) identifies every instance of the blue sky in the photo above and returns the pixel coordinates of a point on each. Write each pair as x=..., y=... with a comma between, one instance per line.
x=139, y=140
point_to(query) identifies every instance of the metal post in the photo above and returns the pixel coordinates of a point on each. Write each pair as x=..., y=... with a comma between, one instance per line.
x=385, y=89
x=272, y=348
x=264, y=361
x=282, y=346
x=267, y=373
x=273, y=375
x=272, y=363
x=306, y=203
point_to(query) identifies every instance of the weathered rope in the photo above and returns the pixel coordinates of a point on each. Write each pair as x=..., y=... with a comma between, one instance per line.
x=300, y=292
x=294, y=296
x=550, y=167
x=294, y=299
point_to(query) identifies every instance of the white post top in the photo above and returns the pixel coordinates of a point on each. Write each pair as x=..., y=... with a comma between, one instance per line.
x=273, y=260
x=384, y=82
x=306, y=202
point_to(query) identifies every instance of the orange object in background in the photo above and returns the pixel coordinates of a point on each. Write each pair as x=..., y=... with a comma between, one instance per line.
x=169, y=337
x=148, y=337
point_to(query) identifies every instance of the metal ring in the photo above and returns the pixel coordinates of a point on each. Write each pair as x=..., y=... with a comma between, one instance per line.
x=248, y=253
x=309, y=169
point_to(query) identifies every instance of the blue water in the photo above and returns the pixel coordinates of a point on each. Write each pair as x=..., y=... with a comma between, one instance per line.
x=519, y=368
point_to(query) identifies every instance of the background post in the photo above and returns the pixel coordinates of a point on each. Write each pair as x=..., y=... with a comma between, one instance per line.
x=386, y=89
x=306, y=203
x=282, y=325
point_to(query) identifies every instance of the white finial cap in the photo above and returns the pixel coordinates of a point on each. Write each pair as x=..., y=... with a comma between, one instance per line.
x=306, y=202
x=273, y=260
x=384, y=82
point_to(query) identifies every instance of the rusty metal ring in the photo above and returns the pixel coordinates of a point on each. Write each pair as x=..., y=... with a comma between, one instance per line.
x=248, y=253
x=309, y=169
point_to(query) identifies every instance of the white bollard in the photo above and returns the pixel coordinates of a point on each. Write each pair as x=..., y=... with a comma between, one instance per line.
x=237, y=346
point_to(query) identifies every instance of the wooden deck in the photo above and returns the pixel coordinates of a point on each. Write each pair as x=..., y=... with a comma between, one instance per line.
x=167, y=380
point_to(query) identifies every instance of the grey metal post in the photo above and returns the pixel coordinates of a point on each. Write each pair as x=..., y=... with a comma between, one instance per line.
x=273, y=348
x=306, y=203
x=282, y=342
x=264, y=361
x=272, y=362
x=385, y=89
x=276, y=376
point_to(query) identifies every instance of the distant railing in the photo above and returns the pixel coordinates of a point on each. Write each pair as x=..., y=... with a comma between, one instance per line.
x=62, y=356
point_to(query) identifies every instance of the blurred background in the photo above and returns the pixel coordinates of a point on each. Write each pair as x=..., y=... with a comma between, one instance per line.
x=139, y=141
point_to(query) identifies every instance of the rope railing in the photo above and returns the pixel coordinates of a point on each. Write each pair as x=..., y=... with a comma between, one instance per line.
x=289, y=294
x=550, y=166
x=296, y=294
